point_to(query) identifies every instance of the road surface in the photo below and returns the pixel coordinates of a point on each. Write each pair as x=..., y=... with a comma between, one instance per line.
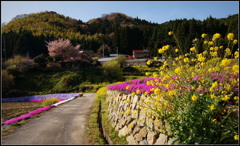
x=65, y=124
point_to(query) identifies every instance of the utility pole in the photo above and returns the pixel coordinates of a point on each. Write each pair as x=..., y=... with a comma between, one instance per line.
x=103, y=50
x=4, y=48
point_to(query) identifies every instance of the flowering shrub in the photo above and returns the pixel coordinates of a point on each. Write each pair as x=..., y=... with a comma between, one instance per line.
x=196, y=93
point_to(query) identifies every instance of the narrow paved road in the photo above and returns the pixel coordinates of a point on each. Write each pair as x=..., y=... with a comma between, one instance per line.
x=65, y=124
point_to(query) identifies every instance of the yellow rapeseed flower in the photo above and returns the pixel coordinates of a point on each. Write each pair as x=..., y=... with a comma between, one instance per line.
x=236, y=137
x=235, y=41
x=155, y=58
x=147, y=73
x=170, y=33
x=160, y=51
x=201, y=58
x=186, y=60
x=138, y=92
x=214, y=85
x=228, y=51
x=205, y=42
x=178, y=70
x=235, y=68
x=149, y=62
x=216, y=36
x=225, y=62
x=212, y=96
x=204, y=35
x=176, y=50
x=194, y=98
x=230, y=36
x=226, y=97
x=212, y=107
x=210, y=43
x=193, y=49
x=236, y=54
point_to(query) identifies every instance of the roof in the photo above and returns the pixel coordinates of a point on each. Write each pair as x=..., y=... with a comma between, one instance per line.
x=140, y=50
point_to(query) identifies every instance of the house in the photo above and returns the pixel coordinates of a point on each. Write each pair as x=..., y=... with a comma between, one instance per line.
x=83, y=59
x=140, y=53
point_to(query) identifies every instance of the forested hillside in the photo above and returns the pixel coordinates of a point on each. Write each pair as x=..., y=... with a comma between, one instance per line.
x=28, y=35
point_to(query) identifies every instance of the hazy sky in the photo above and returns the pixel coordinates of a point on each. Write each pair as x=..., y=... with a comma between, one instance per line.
x=154, y=11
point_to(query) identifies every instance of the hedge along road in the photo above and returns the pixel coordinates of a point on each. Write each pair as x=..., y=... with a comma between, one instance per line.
x=65, y=124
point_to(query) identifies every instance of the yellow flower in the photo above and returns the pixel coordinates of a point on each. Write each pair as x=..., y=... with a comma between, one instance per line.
x=236, y=137
x=235, y=41
x=212, y=107
x=201, y=58
x=205, y=52
x=138, y=92
x=128, y=101
x=186, y=60
x=213, y=96
x=210, y=43
x=236, y=54
x=205, y=42
x=157, y=91
x=225, y=62
x=160, y=130
x=214, y=54
x=216, y=36
x=226, y=97
x=228, y=51
x=176, y=50
x=204, y=35
x=235, y=69
x=170, y=33
x=149, y=62
x=230, y=36
x=155, y=58
x=160, y=51
x=147, y=73
x=214, y=85
x=178, y=70
x=214, y=120
x=194, y=98
x=193, y=49
x=166, y=47
x=133, y=93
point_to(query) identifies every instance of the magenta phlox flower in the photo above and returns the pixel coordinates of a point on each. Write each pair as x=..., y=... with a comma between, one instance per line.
x=28, y=115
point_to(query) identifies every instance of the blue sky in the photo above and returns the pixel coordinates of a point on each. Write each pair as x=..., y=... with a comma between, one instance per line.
x=154, y=11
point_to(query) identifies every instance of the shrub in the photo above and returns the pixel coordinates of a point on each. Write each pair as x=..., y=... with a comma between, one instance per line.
x=112, y=69
x=18, y=64
x=7, y=81
x=49, y=101
x=40, y=60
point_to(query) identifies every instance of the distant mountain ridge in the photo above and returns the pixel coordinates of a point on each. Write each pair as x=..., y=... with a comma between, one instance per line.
x=29, y=32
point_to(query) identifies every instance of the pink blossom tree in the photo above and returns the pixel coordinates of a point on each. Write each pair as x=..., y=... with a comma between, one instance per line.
x=63, y=49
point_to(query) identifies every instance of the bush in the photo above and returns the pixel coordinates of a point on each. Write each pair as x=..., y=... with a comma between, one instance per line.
x=49, y=101
x=68, y=81
x=112, y=69
x=40, y=60
x=18, y=64
x=7, y=81
x=54, y=66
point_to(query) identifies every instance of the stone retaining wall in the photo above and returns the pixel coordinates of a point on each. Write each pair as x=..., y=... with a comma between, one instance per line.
x=138, y=125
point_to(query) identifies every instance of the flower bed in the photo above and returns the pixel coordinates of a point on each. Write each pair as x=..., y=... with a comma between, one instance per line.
x=61, y=96
x=38, y=98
